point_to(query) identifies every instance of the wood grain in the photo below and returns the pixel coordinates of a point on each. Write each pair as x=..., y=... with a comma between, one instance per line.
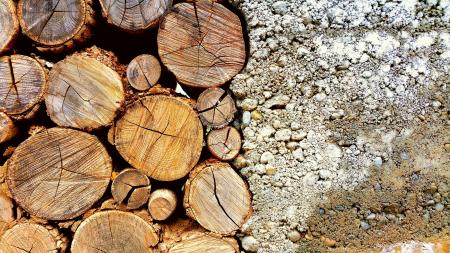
x=204, y=243
x=217, y=197
x=9, y=25
x=7, y=128
x=114, y=232
x=201, y=43
x=27, y=237
x=22, y=84
x=162, y=204
x=58, y=174
x=225, y=143
x=216, y=107
x=83, y=93
x=134, y=15
x=131, y=188
x=143, y=72
x=160, y=135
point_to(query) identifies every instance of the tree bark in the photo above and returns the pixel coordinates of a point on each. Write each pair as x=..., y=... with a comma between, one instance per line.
x=217, y=197
x=58, y=174
x=202, y=43
x=143, y=72
x=160, y=135
x=114, y=231
x=9, y=25
x=134, y=16
x=83, y=93
x=215, y=107
x=56, y=25
x=225, y=143
x=131, y=188
x=7, y=128
x=22, y=85
x=28, y=237
x=162, y=204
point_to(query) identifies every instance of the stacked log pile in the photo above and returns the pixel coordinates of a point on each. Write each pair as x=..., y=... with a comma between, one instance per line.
x=100, y=154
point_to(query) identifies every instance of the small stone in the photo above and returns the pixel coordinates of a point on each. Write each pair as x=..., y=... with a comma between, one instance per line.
x=298, y=154
x=240, y=162
x=292, y=145
x=333, y=150
x=400, y=89
x=280, y=7
x=309, y=237
x=378, y=161
x=298, y=136
x=256, y=116
x=364, y=225
x=447, y=147
x=294, y=236
x=266, y=157
x=439, y=207
x=249, y=104
x=367, y=74
x=283, y=135
x=404, y=155
x=320, y=97
x=277, y=102
x=329, y=242
x=246, y=118
x=249, y=243
x=324, y=174
x=295, y=126
x=271, y=171
x=371, y=216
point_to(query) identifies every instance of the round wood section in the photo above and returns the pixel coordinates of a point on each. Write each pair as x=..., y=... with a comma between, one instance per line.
x=27, y=237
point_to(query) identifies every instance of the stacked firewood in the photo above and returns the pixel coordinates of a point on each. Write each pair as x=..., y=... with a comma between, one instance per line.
x=101, y=155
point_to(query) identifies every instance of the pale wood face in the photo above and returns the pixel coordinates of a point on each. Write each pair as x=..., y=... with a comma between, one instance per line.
x=160, y=135
x=51, y=22
x=202, y=45
x=224, y=143
x=83, y=93
x=131, y=188
x=27, y=238
x=22, y=83
x=205, y=243
x=9, y=24
x=215, y=107
x=143, y=72
x=58, y=174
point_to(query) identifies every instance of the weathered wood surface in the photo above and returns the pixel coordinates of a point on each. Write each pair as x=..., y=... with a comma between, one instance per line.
x=160, y=135
x=27, y=237
x=216, y=107
x=217, y=197
x=114, y=232
x=83, y=93
x=7, y=128
x=131, y=188
x=224, y=143
x=134, y=15
x=202, y=43
x=9, y=25
x=58, y=174
x=143, y=72
x=162, y=204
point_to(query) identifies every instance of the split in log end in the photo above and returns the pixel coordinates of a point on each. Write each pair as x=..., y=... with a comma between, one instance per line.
x=131, y=188
x=143, y=72
x=216, y=107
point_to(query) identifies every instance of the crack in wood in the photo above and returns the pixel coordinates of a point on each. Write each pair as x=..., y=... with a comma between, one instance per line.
x=218, y=200
x=48, y=19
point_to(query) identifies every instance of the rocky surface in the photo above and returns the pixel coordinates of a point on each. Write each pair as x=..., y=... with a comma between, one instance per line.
x=345, y=123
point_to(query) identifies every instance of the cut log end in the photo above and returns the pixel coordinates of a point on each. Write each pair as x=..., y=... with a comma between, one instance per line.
x=143, y=72
x=56, y=24
x=224, y=143
x=58, y=174
x=216, y=108
x=203, y=243
x=9, y=25
x=131, y=188
x=217, y=197
x=83, y=93
x=202, y=43
x=7, y=128
x=162, y=204
x=22, y=84
x=109, y=231
x=28, y=237
x=134, y=17
x=161, y=136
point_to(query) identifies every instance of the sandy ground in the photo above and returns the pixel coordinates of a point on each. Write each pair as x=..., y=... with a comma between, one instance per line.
x=345, y=123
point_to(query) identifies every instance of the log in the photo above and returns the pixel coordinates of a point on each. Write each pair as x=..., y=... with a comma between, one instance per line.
x=202, y=43
x=217, y=197
x=161, y=136
x=83, y=93
x=134, y=16
x=56, y=25
x=131, y=188
x=23, y=83
x=204, y=243
x=7, y=128
x=9, y=25
x=162, y=204
x=6, y=208
x=225, y=143
x=143, y=72
x=114, y=231
x=215, y=107
x=58, y=174
x=28, y=237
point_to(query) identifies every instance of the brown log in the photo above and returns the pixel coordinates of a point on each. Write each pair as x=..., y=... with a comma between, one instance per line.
x=224, y=143
x=216, y=107
x=143, y=72
x=114, y=231
x=201, y=43
x=7, y=128
x=6, y=208
x=83, y=93
x=160, y=135
x=162, y=204
x=217, y=197
x=22, y=84
x=9, y=25
x=56, y=25
x=132, y=188
x=134, y=16
x=58, y=174
x=28, y=237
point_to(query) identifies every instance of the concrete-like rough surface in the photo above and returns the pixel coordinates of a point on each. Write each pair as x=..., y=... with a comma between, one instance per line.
x=345, y=123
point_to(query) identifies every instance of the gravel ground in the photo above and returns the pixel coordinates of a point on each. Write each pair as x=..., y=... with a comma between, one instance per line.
x=345, y=123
